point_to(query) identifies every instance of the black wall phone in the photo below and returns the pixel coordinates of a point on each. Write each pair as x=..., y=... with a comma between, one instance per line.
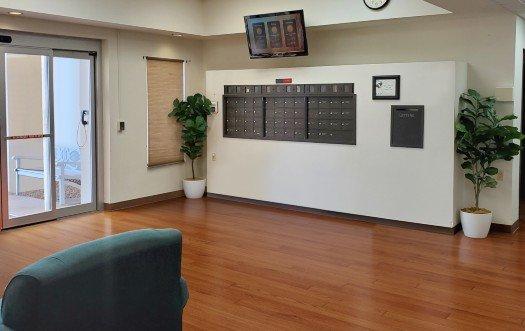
x=83, y=119
x=82, y=127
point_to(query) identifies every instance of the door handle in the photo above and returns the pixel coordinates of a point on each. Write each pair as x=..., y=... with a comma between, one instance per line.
x=28, y=136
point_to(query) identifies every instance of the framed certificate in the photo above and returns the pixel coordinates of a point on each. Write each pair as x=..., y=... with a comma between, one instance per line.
x=386, y=87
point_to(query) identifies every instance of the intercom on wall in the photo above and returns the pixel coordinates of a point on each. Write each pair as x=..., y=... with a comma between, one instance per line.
x=5, y=39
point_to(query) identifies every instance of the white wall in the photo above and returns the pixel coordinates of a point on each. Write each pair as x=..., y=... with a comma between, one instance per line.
x=227, y=16
x=485, y=41
x=185, y=16
x=371, y=178
x=459, y=176
x=518, y=104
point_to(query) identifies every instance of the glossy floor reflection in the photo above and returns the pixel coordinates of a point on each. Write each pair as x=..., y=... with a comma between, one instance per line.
x=253, y=267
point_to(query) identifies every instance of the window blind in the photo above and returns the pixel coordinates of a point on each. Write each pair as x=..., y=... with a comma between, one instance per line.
x=165, y=84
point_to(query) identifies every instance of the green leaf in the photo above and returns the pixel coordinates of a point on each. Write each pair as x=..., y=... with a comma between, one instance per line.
x=471, y=177
x=507, y=118
x=199, y=120
x=490, y=182
x=474, y=94
x=482, y=138
x=192, y=115
x=466, y=165
x=189, y=122
x=491, y=171
x=460, y=127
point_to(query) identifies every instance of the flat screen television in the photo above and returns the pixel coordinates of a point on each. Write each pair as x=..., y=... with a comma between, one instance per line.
x=276, y=35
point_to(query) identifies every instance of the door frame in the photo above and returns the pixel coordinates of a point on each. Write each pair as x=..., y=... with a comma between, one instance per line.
x=522, y=155
x=47, y=137
x=73, y=48
x=68, y=211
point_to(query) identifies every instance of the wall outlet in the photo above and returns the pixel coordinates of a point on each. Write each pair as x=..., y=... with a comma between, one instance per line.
x=215, y=107
x=499, y=176
x=213, y=157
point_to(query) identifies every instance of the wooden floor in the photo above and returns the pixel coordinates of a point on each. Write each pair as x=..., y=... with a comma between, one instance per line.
x=252, y=267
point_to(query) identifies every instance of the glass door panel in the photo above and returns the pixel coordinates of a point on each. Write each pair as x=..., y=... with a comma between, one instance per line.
x=26, y=137
x=28, y=192
x=47, y=134
x=73, y=98
x=26, y=79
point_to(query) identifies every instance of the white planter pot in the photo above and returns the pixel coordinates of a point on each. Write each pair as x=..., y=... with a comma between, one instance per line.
x=476, y=225
x=194, y=188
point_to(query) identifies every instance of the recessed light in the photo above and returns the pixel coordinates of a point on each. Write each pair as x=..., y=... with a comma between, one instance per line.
x=15, y=13
x=176, y=35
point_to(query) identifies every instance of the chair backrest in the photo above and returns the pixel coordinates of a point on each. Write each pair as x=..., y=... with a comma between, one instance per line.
x=69, y=155
x=129, y=281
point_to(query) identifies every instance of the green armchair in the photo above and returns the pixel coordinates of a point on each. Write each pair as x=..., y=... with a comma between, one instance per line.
x=130, y=281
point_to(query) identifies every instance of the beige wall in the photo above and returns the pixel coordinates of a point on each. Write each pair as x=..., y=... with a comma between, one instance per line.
x=124, y=97
x=130, y=178
x=485, y=42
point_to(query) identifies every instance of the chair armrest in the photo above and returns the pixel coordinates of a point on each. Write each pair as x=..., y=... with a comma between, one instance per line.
x=184, y=292
x=5, y=328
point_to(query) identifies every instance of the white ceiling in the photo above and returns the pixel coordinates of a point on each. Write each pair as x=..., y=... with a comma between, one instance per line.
x=227, y=16
x=479, y=6
x=222, y=17
x=209, y=17
x=515, y=6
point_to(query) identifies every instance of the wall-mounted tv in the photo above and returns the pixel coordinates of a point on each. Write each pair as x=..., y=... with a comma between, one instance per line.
x=276, y=35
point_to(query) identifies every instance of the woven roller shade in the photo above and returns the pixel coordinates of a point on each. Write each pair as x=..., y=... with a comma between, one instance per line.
x=165, y=84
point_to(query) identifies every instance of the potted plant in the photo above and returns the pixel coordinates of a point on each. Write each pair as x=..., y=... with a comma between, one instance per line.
x=482, y=138
x=192, y=115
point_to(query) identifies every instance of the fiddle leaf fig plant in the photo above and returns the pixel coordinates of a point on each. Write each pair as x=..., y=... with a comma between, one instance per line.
x=192, y=115
x=482, y=138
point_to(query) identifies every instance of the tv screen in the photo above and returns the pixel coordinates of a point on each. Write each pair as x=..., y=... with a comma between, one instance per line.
x=276, y=34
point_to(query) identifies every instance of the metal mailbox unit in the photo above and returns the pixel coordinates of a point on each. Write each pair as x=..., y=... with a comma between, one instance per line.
x=321, y=113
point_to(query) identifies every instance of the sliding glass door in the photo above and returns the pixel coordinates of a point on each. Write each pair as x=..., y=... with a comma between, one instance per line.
x=74, y=129
x=47, y=143
x=26, y=134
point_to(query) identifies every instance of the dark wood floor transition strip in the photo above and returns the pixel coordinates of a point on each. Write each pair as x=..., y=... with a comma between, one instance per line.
x=143, y=201
x=359, y=218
